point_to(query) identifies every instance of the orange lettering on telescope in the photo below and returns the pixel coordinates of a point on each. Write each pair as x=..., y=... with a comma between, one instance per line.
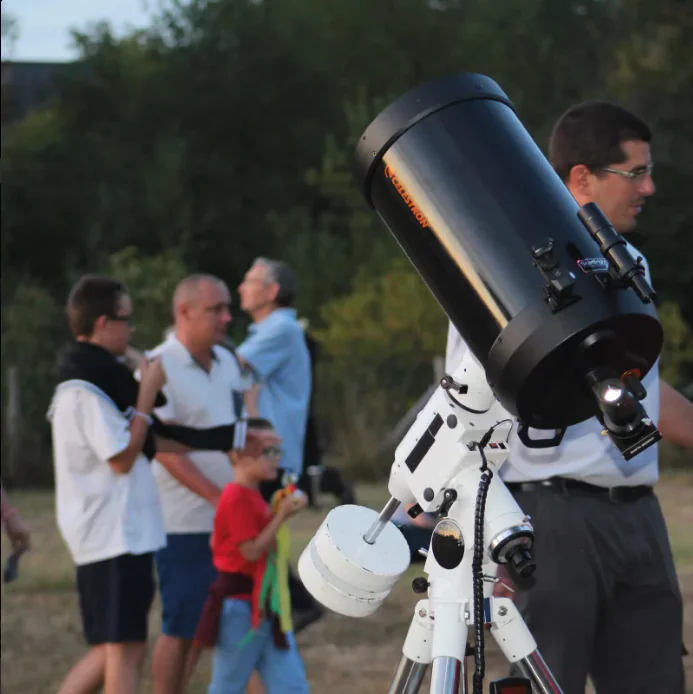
x=418, y=214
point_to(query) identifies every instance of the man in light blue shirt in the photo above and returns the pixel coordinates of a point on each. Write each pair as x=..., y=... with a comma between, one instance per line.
x=276, y=351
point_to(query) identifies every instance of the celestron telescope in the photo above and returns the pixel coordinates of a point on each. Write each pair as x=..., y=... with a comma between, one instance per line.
x=561, y=326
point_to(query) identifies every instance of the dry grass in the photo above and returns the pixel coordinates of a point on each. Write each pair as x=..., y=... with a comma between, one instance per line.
x=342, y=656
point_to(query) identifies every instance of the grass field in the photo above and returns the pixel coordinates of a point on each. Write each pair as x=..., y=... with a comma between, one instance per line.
x=41, y=635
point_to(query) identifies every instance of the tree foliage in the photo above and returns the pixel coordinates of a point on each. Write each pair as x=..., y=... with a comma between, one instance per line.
x=225, y=131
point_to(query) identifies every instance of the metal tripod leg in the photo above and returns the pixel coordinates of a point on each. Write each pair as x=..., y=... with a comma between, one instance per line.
x=518, y=645
x=416, y=652
x=448, y=676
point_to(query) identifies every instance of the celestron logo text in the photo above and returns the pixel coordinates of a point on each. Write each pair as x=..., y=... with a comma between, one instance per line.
x=420, y=218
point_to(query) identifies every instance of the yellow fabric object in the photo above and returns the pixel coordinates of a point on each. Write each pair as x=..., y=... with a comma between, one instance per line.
x=282, y=598
x=283, y=548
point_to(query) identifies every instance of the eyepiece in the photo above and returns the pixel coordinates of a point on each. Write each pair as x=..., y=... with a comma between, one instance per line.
x=521, y=560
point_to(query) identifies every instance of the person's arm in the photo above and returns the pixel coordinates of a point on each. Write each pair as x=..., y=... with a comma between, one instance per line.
x=675, y=416
x=264, y=352
x=239, y=436
x=171, y=455
x=14, y=526
x=114, y=440
x=254, y=549
x=250, y=399
x=122, y=462
x=152, y=378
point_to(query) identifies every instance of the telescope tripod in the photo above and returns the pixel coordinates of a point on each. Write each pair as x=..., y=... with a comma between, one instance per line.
x=438, y=633
x=449, y=673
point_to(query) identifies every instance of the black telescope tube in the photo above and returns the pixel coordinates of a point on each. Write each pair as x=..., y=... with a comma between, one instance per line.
x=468, y=195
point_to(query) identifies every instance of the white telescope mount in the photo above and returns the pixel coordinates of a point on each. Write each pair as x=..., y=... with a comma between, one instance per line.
x=446, y=464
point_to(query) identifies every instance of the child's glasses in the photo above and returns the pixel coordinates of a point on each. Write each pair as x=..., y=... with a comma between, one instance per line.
x=272, y=452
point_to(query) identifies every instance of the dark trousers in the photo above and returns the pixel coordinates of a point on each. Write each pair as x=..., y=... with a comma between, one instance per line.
x=606, y=603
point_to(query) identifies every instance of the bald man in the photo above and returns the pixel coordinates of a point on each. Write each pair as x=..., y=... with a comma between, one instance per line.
x=205, y=388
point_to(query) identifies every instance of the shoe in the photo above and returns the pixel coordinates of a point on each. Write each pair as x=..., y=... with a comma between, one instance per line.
x=304, y=618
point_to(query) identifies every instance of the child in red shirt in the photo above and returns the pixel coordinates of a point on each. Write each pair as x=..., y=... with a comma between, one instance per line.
x=241, y=619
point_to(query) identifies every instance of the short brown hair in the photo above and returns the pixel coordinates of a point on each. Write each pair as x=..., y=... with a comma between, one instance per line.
x=93, y=296
x=591, y=134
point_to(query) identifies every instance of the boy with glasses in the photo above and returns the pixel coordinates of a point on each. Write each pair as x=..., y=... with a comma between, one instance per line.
x=247, y=616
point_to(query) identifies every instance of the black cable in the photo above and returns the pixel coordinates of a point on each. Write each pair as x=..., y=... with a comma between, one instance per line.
x=477, y=564
x=447, y=382
x=459, y=404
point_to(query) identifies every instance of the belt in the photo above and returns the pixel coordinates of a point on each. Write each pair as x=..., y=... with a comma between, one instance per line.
x=564, y=485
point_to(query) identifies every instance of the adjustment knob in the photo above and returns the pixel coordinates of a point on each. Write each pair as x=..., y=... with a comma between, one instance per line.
x=419, y=585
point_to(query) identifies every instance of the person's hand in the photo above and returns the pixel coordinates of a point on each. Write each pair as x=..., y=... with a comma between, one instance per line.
x=291, y=505
x=17, y=533
x=152, y=376
x=257, y=440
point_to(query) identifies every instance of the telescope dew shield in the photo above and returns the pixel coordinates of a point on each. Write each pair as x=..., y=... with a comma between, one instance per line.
x=496, y=236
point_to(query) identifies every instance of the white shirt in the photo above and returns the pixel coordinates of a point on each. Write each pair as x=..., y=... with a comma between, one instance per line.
x=200, y=399
x=584, y=454
x=101, y=514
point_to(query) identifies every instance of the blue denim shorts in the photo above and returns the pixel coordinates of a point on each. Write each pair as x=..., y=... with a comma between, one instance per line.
x=185, y=572
x=236, y=656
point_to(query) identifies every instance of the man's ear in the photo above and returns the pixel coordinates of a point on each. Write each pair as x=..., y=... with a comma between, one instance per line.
x=273, y=291
x=580, y=180
x=183, y=310
x=100, y=324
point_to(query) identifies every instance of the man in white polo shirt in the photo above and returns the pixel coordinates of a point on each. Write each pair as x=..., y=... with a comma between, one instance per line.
x=606, y=603
x=204, y=389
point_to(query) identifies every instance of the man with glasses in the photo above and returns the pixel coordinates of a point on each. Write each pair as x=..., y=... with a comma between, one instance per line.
x=205, y=388
x=606, y=603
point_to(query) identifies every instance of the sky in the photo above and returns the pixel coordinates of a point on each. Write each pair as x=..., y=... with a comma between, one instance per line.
x=44, y=25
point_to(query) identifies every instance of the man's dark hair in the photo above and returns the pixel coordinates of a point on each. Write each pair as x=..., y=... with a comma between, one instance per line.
x=591, y=134
x=279, y=272
x=91, y=297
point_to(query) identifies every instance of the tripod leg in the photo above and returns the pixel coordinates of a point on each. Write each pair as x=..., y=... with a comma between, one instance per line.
x=447, y=675
x=408, y=677
x=416, y=652
x=518, y=645
x=449, y=639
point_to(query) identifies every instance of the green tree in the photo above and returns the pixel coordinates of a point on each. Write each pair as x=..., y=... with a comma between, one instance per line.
x=226, y=130
x=677, y=353
x=379, y=341
x=10, y=32
x=151, y=282
x=32, y=335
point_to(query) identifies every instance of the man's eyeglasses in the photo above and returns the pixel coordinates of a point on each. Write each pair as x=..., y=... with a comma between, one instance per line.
x=635, y=175
x=217, y=309
x=272, y=452
x=121, y=319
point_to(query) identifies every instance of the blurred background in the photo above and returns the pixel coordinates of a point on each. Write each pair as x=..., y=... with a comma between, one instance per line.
x=184, y=136
x=211, y=132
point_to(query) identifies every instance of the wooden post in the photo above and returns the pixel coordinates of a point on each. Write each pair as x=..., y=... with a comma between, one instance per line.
x=14, y=417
